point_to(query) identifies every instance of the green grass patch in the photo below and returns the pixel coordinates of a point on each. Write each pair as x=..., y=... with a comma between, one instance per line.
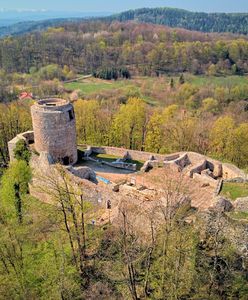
x=106, y=157
x=111, y=158
x=92, y=87
x=225, y=81
x=234, y=190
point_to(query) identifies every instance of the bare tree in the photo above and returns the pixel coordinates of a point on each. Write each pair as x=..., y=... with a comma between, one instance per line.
x=69, y=198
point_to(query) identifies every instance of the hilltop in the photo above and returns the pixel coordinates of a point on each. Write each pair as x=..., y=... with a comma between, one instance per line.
x=199, y=21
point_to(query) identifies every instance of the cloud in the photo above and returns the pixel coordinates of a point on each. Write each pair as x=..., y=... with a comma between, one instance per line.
x=28, y=10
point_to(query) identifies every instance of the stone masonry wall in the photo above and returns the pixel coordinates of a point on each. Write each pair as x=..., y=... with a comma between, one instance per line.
x=120, y=152
x=55, y=130
x=27, y=136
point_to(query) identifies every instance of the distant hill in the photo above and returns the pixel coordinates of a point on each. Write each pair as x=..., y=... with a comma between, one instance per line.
x=205, y=22
x=30, y=26
x=20, y=22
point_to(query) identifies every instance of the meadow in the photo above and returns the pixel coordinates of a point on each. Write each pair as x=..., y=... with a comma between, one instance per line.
x=153, y=90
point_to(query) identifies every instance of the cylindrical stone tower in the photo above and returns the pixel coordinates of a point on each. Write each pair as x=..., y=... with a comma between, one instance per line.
x=55, y=129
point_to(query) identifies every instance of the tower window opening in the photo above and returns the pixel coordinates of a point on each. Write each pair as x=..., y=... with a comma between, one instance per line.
x=71, y=114
x=66, y=160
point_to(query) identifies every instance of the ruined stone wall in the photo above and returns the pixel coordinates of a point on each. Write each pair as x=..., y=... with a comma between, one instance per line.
x=182, y=161
x=198, y=161
x=120, y=152
x=231, y=171
x=27, y=136
x=55, y=129
x=197, y=169
x=224, y=170
x=205, y=179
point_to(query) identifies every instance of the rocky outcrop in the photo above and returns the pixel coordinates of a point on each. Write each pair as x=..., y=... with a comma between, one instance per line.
x=223, y=204
x=241, y=204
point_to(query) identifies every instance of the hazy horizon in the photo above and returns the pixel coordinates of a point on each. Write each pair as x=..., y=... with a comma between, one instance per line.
x=96, y=6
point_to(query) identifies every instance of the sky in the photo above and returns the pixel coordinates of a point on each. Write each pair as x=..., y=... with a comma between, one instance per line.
x=120, y=5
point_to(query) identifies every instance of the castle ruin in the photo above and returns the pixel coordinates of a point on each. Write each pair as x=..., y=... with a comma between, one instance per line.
x=53, y=140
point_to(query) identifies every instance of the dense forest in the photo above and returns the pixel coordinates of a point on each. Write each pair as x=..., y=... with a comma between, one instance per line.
x=144, y=49
x=205, y=22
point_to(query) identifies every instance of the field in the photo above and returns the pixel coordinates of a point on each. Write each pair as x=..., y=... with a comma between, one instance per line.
x=153, y=90
x=92, y=86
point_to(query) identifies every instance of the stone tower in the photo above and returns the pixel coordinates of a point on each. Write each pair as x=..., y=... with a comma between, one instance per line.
x=55, y=129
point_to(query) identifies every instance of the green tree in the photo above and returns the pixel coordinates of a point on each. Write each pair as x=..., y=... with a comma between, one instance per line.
x=93, y=122
x=221, y=137
x=240, y=145
x=212, y=70
x=14, y=187
x=21, y=151
x=129, y=124
x=210, y=105
x=154, y=136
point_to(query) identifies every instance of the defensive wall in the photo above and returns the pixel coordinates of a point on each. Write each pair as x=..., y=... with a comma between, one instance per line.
x=196, y=162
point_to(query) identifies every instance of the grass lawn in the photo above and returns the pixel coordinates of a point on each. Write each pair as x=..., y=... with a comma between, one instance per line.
x=111, y=158
x=93, y=86
x=235, y=190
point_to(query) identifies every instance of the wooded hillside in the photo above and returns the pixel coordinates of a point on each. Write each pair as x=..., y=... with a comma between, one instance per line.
x=206, y=22
x=145, y=49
